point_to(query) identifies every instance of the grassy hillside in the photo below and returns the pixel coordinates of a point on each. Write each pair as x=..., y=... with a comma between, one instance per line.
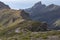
x=20, y=31
x=10, y=20
x=8, y=16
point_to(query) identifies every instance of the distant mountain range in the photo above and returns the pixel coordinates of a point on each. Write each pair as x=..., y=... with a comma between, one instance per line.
x=41, y=12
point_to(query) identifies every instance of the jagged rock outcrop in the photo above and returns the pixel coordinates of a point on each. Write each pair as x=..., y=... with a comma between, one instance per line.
x=36, y=9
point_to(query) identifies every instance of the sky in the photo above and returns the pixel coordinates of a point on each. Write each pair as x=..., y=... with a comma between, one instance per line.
x=23, y=4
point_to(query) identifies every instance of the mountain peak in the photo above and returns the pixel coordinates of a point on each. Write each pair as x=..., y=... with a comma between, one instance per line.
x=52, y=5
x=38, y=3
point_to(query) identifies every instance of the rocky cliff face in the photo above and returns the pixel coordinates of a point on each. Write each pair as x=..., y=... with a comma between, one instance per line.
x=41, y=12
x=36, y=9
x=3, y=6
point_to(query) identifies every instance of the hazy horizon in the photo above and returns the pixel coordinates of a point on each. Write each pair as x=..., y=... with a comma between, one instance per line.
x=22, y=4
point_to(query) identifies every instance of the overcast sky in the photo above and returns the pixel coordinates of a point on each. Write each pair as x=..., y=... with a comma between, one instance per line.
x=22, y=4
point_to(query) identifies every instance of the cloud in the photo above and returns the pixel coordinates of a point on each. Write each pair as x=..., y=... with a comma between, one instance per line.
x=16, y=4
x=19, y=0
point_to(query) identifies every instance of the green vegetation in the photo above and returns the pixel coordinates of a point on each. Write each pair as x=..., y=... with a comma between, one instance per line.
x=27, y=29
x=37, y=26
x=44, y=36
x=9, y=33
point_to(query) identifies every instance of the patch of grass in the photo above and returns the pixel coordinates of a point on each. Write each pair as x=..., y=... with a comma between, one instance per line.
x=44, y=36
x=36, y=36
x=59, y=36
x=26, y=38
x=51, y=33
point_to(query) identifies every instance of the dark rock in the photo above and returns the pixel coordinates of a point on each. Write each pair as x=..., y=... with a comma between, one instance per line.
x=3, y=6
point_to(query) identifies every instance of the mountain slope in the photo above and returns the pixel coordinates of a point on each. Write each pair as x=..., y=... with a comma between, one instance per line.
x=3, y=6
x=8, y=16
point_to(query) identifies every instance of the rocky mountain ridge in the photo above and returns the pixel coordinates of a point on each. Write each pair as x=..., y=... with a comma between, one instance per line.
x=3, y=6
x=41, y=12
